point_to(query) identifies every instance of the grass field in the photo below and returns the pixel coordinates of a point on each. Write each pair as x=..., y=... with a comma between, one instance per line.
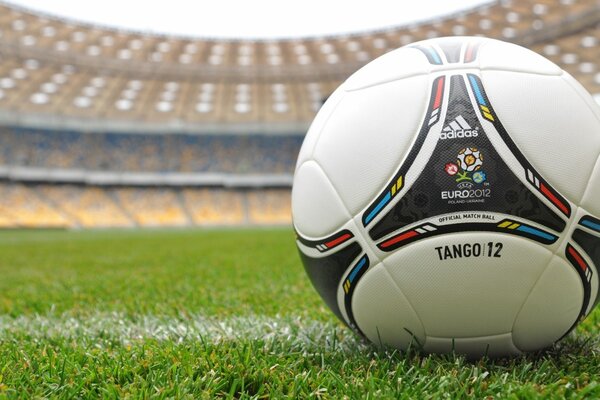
x=222, y=313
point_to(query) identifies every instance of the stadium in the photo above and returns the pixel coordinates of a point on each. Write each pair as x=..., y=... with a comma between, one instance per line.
x=145, y=185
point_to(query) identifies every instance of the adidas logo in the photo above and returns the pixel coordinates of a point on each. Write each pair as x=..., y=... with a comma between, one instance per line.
x=459, y=128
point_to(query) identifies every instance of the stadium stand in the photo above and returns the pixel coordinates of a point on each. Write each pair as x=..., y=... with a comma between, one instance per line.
x=151, y=206
x=101, y=127
x=88, y=207
x=27, y=205
x=268, y=207
x=148, y=152
x=22, y=206
x=218, y=206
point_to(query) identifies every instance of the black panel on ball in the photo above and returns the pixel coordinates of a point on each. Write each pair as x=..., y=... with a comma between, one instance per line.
x=423, y=200
x=591, y=245
x=325, y=273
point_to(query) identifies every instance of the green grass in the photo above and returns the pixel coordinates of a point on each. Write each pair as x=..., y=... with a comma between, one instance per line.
x=222, y=313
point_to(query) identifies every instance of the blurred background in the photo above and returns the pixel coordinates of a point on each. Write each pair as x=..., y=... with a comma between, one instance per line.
x=129, y=127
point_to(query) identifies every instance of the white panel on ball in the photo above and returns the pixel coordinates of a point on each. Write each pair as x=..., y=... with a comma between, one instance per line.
x=383, y=312
x=458, y=298
x=491, y=346
x=550, y=123
x=314, y=132
x=395, y=65
x=369, y=149
x=502, y=56
x=551, y=308
x=316, y=207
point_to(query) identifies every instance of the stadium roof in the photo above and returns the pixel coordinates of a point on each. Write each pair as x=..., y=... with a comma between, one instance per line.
x=259, y=19
x=77, y=75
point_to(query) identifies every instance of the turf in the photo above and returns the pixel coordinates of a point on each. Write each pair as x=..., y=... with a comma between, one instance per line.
x=222, y=313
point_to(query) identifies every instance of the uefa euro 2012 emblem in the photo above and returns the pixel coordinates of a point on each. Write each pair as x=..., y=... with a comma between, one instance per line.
x=467, y=167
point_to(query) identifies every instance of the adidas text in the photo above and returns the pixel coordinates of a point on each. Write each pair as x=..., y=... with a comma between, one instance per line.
x=459, y=128
x=462, y=133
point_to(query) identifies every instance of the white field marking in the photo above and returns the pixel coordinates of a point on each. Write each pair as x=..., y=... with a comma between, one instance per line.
x=292, y=331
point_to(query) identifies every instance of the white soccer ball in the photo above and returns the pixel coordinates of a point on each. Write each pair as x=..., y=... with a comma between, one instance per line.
x=437, y=206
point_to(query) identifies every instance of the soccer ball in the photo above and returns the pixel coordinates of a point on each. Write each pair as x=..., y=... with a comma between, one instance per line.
x=437, y=203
